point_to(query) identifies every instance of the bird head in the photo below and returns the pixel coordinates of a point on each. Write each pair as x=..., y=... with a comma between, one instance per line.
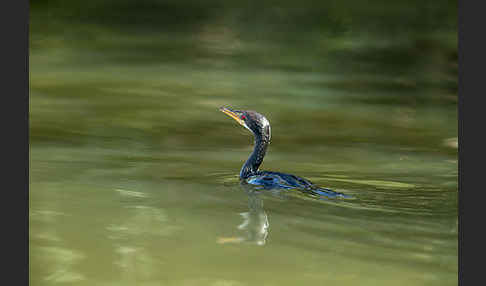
x=251, y=120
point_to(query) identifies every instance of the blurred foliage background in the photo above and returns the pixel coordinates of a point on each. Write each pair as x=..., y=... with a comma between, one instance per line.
x=153, y=71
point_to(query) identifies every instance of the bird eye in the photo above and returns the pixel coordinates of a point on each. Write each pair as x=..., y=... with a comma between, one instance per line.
x=243, y=117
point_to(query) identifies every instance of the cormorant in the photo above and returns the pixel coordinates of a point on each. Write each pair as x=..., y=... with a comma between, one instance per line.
x=260, y=127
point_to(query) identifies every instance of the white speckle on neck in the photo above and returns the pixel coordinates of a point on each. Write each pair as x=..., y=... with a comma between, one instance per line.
x=265, y=123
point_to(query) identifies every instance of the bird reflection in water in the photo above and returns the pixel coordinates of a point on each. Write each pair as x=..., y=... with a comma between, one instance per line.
x=255, y=226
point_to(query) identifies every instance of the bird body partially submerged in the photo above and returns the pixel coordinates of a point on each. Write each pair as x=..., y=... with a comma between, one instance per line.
x=260, y=127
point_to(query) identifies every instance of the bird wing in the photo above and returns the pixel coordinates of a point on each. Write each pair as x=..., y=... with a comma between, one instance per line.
x=276, y=180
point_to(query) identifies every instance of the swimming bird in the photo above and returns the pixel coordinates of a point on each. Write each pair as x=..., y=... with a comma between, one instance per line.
x=250, y=173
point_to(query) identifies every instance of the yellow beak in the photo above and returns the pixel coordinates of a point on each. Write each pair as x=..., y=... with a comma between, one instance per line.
x=232, y=114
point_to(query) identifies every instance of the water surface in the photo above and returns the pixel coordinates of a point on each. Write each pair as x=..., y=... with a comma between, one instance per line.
x=134, y=171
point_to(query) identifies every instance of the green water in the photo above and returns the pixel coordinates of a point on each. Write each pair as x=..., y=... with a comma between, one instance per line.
x=134, y=171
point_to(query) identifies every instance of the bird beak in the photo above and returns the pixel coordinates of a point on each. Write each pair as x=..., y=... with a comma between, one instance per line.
x=232, y=114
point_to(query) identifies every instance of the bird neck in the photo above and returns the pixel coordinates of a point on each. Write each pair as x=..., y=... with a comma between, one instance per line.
x=256, y=158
